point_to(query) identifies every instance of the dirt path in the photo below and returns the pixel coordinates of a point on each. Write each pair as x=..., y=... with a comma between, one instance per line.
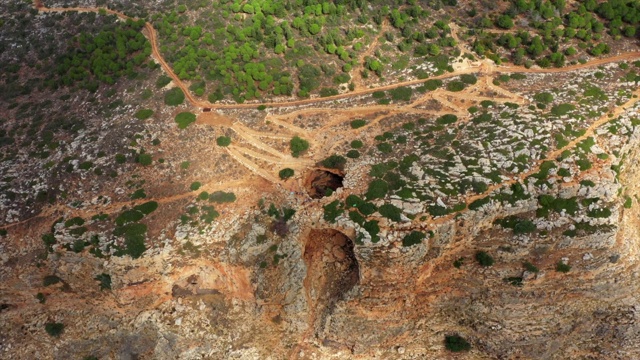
x=356, y=73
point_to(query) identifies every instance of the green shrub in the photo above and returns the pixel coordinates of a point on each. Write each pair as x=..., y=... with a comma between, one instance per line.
x=475, y=205
x=562, y=109
x=433, y=84
x=76, y=221
x=174, y=97
x=518, y=225
x=145, y=159
x=184, y=119
x=223, y=141
x=530, y=267
x=332, y=211
x=3, y=232
x=484, y=259
x=468, y=79
x=587, y=183
x=377, y=189
x=514, y=280
x=298, y=145
x=373, y=229
x=129, y=216
x=162, y=81
x=455, y=86
x=367, y=208
x=146, y=208
x=599, y=213
x=456, y=343
x=358, y=123
x=222, y=197
x=105, y=281
x=543, y=97
x=562, y=267
x=357, y=144
x=325, y=92
x=385, y=148
x=138, y=194
x=378, y=94
x=134, y=234
x=286, y=173
x=120, y=158
x=50, y=280
x=414, y=238
x=49, y=239
x=353, y=154
x=391, y=212
x=195, y=186
x=628, y=202
x=86, y=165
x=143, y=114
x=334, y=162
x=41, y=298
x=353, y=201
x=401, y=93
x=446, y=119
x=54, y=329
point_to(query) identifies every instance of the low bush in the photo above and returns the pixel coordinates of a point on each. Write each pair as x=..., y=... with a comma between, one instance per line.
x=334, y=162
x=174, y=97
x=530, y=267
x=50, y=280
x=222, y=197
x=146, y=208
x=455, y=86
x=414, y=238
x=105, y=281
x=377, y=189
x=358, y=123
x=286, y=173
x=145, y=159
x=54, y=329
x=456, y=343
x=223, y=141
x=184, y=119
x=484, y=259
x=143, y=114
x=298, y=146
x=562, y=267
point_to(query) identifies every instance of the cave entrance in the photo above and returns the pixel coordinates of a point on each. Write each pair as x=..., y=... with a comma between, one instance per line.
x=319, y=183
x=332, y=269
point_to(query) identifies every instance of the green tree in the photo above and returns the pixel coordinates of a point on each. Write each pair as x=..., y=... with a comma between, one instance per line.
x=504, y=22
